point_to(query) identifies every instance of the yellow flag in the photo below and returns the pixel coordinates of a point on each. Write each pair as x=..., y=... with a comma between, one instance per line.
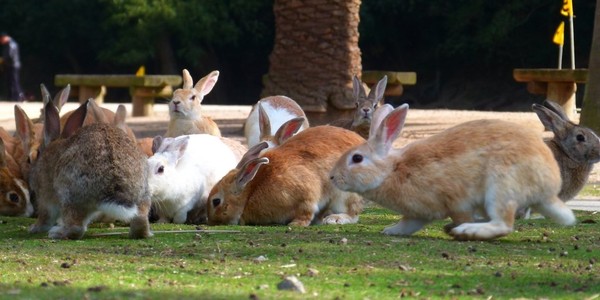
x=559, y=35
x=141, y=71
x=567, y=8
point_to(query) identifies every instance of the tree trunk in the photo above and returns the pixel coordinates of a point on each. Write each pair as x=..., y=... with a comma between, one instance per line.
x=315, y=55
x=590, y=111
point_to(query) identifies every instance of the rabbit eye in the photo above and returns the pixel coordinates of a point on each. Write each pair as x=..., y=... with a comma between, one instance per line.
x=216, y=202
x=13, y=197
x=193, y=97
x=357, y=158
x=160, y=170
x=580, y=138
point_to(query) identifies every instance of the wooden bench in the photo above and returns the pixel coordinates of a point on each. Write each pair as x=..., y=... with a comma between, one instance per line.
x=558, y=85
x=395, y=80
x=143, y=89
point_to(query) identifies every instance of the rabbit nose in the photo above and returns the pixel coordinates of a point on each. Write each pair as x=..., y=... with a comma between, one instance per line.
x=366, y=109
x=176, y=102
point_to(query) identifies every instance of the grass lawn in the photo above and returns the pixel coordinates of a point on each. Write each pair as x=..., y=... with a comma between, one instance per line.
x=539, y=260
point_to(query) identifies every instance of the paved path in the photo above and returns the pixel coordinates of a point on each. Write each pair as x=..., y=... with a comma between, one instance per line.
x=230, y=118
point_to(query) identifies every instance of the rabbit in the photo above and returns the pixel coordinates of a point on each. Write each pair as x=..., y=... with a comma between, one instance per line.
x=486, y=168
x=83, y=172
x=182, y=172
x=14, y=192
x=267, y=116
x=185, y=113
x=365, y=106
x=288, y=184
x=575, y=148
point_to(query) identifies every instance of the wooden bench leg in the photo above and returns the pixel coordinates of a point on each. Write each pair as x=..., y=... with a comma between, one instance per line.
x=143, y=101
x=95, y=92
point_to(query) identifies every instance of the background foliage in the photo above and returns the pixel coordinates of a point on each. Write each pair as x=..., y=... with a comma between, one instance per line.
x=462, y=51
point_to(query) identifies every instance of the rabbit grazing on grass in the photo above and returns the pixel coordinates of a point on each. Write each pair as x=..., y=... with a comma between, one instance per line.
x=288, y=184
x=83, y=172
x=365, y=106
x=486, y=168
x=182, y=172
x=185, y=111
x=268, y=115
x=576, y=148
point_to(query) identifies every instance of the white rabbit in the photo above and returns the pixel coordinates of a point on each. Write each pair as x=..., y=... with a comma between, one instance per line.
x=268, y=115
x=182, y=172
x=489, y=168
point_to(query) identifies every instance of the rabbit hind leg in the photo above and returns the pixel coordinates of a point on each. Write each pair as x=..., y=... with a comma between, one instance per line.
x=406, y=226
x=501, y=214
x=556, y=210
x=139, y=226
x=74, y=223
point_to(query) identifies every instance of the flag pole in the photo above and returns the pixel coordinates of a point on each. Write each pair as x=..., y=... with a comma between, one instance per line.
x=560, y=55
x=572, y=39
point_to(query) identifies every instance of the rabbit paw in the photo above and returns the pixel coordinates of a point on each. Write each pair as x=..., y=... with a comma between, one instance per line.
x=340, y=219
x=36, y=228
x=405, y=227
x=61, y=232
x=480, y=231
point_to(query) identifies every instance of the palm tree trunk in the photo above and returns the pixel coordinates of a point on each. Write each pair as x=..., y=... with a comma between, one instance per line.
x=316, y=54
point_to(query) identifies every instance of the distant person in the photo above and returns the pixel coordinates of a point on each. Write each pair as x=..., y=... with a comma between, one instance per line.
x=11, y=64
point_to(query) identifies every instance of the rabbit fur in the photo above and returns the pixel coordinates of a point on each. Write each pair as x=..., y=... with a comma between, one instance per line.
x=575, y=148
x=182, y=172
x=14, y=192
x=83, y=172
x=268, y=115
x=288, y=184
x=185, y=112
x=488, y=168
x=365, y=106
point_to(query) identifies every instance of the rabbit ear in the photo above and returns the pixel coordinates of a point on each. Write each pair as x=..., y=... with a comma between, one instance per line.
x=120, y=116
x=179, y=145
x=556, y=109
x=156, y=142
x=75, y=121
x=188, y=83
x=206, y=84
x=378, y=116
x=552, y=121
x=95, y=111
x=264, y=124
x=376, y=94
x=388, y=130
x=288, y=129
x=51, y=123
x=357, y=88
x=61, y=97
x=24, y=128
x=45, y=94
x=252, y=153
x=3, y=163
x=248, y=171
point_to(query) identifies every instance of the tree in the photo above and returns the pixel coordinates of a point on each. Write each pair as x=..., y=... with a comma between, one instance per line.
x=315, y=54
x=591, y=97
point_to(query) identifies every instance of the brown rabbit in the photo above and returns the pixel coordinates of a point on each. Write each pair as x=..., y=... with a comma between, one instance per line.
x=185, y=111
x=289, y=184
x=14, y=192
x=365, y=106
x=575, y=148
x=85, y=171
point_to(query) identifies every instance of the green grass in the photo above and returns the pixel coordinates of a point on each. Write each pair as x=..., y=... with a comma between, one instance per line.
x=590, y=190
x=539, y=260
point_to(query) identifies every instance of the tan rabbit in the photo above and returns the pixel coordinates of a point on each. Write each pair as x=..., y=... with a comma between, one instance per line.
x=268, y=115
x=14, y=192
x=486, y=168
x=365, y=106
x=289, y=184
x=576, y=148
x=185, y=112
x=83, y=172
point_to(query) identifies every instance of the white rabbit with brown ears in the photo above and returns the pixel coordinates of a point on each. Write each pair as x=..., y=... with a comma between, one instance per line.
x=486, y=168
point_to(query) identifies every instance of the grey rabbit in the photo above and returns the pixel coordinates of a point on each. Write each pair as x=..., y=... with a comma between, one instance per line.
x=85, y=171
